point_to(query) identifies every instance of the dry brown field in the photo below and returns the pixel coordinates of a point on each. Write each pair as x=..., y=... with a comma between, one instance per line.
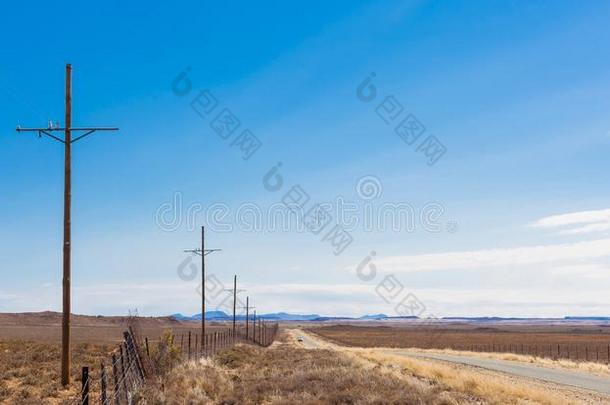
x=579, y=342
x=30, y=351
x=46, y=327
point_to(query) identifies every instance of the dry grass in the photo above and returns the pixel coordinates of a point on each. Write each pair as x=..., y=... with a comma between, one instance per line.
x=496, y=389
x=29, y=372
x=287, y=375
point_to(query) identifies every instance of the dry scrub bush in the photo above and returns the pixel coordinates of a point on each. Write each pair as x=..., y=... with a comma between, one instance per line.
x=166, y=355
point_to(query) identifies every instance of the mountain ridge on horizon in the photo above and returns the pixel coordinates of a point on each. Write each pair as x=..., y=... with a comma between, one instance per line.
x=286, y=316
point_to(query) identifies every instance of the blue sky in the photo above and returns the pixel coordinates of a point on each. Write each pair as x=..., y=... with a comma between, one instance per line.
x=517, y=92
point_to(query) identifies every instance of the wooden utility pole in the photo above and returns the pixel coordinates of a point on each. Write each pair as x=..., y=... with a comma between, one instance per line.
x=203, y=252
x=234, y=299
x=247, y=308
x=67, y=250
x=67, y=244
x=202, y=287
x=247, y=313
x=234, y=291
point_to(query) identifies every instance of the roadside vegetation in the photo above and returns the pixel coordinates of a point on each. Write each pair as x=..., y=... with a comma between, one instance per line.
x=284, y=374
x=496, y=389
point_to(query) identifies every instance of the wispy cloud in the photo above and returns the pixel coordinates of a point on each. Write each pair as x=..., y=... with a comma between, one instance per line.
x=598, y=271
x=487, y=258
x=576, y=223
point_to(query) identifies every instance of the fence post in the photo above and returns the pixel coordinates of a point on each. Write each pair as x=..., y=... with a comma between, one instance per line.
x=135, y=353
x=196, y=345
x=586, y=353
x=558, y=352
x=189, y=344
x=130, y=362
x=135, y=346
x=104, y=382
x=147, y=349
x=85, y=389
x=182, y=343
x=123, y=372
x=116, y=379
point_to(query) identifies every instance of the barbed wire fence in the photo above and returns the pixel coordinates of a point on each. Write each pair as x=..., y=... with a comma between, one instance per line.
x=131, y=364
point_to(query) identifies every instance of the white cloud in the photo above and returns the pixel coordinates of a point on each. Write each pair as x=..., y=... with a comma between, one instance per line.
x=592, y=270
x=577, y=223
x=487, y=258
x=589, y=228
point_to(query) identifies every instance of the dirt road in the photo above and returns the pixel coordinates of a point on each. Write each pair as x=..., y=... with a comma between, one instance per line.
x=564, y=377
x=579, y=380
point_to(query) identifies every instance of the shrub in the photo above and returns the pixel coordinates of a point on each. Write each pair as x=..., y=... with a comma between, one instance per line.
x=167, y=354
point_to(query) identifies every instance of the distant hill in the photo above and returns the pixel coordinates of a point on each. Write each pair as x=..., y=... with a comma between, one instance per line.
x=285, y=316
x=220, y=316
x=376, y=316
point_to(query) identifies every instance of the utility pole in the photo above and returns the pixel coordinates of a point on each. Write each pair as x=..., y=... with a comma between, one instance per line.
x=203, y=252
x=247, y=308
x=254, y=327
x=234, y=299
x=67, y=245
x=234, y=291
